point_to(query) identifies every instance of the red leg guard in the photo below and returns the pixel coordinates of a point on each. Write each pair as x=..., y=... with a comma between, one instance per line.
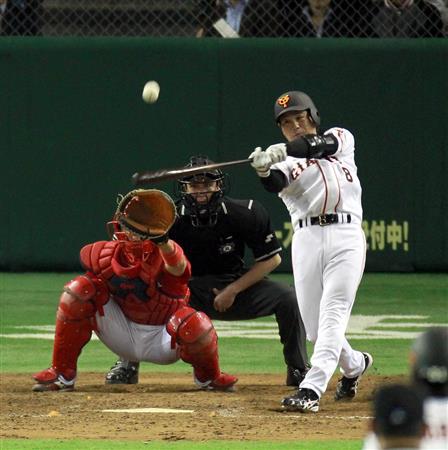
x=203, y=356
x=69, y=340
x=198, y=342
x=74, y=321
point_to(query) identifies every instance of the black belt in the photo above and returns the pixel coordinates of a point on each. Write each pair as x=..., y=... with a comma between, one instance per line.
x=325, y=219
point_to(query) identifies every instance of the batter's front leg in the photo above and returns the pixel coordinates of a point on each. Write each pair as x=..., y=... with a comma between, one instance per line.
x=307, y=269
x=340, y=278
x=328, y=345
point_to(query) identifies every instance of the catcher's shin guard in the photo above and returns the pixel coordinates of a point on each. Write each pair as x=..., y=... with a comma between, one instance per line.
x=193, y=331
x=74, y=321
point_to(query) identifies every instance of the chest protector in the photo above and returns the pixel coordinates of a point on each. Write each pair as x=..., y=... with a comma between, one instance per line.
x=135, y=275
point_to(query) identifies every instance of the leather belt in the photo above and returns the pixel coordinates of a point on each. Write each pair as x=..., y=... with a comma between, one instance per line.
x=325, y=219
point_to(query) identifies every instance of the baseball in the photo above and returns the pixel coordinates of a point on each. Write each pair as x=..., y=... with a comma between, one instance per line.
x=151, y=92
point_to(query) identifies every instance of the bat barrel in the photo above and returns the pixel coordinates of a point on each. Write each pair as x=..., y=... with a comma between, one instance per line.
x=149, y=177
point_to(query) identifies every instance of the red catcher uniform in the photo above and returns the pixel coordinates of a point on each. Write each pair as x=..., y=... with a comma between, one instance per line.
x=138, y=310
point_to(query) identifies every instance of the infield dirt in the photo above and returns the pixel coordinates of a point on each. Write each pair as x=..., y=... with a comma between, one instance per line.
x=252, y=412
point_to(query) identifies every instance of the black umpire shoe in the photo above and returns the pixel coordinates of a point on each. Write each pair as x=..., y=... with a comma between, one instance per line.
x=295, y=376
x=123, y=372
x=306, y=400
x=347, y=388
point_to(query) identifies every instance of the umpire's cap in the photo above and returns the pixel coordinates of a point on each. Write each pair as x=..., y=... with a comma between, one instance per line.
x=429, y=356
x=295, y=101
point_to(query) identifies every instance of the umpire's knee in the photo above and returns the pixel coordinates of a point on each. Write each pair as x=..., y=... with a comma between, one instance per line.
x=288, y=302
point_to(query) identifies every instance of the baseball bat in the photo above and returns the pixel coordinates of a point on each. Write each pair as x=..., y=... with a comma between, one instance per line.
x=149, y=177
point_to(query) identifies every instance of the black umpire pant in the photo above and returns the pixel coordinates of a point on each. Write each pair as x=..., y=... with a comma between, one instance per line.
x=262, y=299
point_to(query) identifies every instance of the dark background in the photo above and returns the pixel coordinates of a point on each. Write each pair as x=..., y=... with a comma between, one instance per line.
x=73, y=129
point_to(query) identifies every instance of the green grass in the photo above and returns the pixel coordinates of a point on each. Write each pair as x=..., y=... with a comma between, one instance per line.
x=424, y=294
x=20, y=444
x=31, y=299
x=237, y=356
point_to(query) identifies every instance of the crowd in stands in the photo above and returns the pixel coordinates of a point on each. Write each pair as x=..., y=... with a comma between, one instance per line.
x=270, y=18
x=21, y=17
x=327, y=18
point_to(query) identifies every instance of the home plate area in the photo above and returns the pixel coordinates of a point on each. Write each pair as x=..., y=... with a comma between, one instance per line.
x=169, y=407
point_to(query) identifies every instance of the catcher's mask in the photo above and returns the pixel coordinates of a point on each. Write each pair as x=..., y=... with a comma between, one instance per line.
x=201, y=193
x=145, y=213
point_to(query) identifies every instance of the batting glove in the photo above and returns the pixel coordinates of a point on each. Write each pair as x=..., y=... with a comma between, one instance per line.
x=261, y=162
x=277, y=152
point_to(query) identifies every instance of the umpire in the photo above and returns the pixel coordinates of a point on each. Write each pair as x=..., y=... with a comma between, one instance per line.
x=213, y=231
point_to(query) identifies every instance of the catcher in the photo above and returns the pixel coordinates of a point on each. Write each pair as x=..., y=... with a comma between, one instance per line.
x=134, y=296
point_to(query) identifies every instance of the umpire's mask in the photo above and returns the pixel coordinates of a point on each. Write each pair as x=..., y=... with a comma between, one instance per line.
x=201, y=193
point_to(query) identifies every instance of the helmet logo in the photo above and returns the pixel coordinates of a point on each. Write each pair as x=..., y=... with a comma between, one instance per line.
x=283, y=101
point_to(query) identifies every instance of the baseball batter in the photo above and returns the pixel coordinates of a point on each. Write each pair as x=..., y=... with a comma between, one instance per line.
x=316, y=177
x=134, y=295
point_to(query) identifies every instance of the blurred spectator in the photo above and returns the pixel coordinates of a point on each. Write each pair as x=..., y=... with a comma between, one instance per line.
x=2, y=11
x=22, y=18
x=429, y=373
x=442, y=6
x=398, y=417
x=407, y=19
x=324, y=18
x=238, y=18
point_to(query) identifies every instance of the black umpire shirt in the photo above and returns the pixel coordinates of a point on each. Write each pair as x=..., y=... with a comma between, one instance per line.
x=219, y=249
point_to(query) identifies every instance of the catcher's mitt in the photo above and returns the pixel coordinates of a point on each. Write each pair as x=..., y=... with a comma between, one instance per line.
x=148, y=213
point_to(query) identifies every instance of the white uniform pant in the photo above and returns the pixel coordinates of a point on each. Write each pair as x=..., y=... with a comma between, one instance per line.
x=328, y=263
x=133, y=341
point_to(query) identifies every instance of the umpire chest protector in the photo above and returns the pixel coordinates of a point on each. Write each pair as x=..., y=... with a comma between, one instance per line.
x=220, y=249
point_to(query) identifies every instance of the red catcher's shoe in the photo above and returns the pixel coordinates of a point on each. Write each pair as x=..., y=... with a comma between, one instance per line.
x=50, y=380
x=224, y=382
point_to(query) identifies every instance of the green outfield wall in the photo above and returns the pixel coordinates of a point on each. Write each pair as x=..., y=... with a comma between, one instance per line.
x=73, y=129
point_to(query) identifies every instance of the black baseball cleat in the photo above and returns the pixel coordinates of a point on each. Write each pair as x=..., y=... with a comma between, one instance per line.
x=123, y=372
x=295, y=376
x=306, y=400
x=347, y=388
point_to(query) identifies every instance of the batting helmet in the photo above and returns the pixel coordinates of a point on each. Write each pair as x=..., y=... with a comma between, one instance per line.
x=295, y=101
x=430, y=359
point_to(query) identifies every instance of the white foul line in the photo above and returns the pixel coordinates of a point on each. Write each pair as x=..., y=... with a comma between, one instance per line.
x=150, y=410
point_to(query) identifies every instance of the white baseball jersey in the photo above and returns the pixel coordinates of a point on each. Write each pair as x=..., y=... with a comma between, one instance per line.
x=436, y=418
x=328, y=261
x=323, y=186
